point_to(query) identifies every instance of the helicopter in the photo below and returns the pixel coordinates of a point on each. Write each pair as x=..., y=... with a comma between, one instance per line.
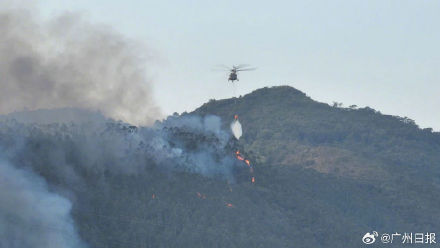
x=235, y=69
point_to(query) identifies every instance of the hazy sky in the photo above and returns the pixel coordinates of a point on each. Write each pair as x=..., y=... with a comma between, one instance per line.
x=382, y=54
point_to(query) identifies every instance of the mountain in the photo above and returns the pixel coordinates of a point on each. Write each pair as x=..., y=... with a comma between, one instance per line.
x=324, y=175
x=287, y=127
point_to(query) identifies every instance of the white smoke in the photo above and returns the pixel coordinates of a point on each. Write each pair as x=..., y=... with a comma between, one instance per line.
x=236, y=129
x=68, y=62
x=31, y=216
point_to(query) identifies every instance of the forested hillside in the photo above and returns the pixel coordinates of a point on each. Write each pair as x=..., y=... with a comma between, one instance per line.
x=324, y=175
x=285, y=126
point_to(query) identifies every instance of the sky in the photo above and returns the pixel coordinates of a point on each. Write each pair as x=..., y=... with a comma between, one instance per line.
x=381, y=54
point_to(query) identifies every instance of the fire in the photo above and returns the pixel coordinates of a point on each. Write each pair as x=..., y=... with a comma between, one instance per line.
x=236, y=117
x=248, y=163
x=229, y=205
x=238, y=155
x=251, y=169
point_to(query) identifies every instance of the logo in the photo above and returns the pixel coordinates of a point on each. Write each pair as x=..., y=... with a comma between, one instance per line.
x=370, y=238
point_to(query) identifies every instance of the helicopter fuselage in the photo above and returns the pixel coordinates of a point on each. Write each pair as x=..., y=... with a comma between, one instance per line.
x=234, y=71
x=233, y=76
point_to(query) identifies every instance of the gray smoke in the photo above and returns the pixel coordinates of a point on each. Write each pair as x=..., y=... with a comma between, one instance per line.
x=81, y=160
x=185, y=143
x=31, y=216
x=198, y=150
x=67, y=62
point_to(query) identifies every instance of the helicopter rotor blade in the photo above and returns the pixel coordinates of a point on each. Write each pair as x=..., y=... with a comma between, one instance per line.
x=247, y=69
x=241, y=66
x=224, y=67
x=221, y=68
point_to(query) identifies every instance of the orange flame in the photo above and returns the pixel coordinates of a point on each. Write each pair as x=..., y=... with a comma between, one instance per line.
x=229, y=205
x=238, y=155
x=248, y=163
x=236, y=117
x=253, y=180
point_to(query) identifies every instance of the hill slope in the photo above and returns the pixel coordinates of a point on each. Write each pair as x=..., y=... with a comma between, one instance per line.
x=324, y=176
x=286, y=127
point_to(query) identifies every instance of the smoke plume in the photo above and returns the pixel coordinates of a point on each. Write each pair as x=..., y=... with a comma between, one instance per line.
x=68, y=62
x=185, y=143
x=78, y=159
x=31, y=216
x=236, y=129
x=64, y=65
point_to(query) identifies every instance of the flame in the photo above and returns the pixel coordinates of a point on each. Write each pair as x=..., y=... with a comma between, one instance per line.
x=236, y=117
x=238, y=155
x=229, y=205
x=251, y=169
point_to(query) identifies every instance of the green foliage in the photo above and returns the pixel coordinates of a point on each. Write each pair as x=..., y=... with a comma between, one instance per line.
x=324, y=177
